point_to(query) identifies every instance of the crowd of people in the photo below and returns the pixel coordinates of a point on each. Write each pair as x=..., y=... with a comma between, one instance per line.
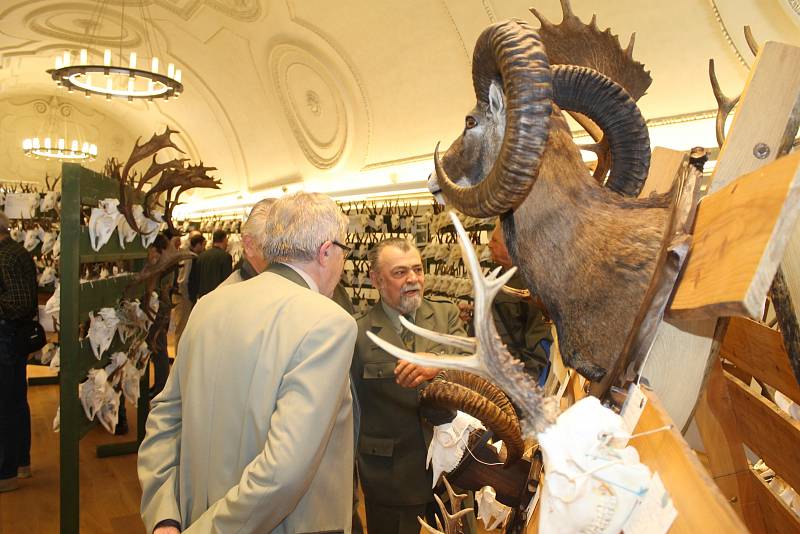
x=277, y=398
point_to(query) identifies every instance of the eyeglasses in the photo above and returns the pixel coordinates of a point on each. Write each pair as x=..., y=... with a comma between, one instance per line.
x=345, y=249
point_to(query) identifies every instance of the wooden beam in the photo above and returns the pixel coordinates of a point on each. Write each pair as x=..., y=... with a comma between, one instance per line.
x=664, y=166
x=777, y=516
x=700, y=505
x=740, y=234
x=767, y=115
x=758, y=350
x=770, y=433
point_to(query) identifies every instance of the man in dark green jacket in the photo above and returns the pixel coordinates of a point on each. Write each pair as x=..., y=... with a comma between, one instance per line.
x=392, y=439
x=211, y=267
x=520, y=323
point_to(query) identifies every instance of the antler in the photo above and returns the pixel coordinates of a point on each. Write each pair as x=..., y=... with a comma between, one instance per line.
x=574, y=43
x=724, y=104
x=452, y=521
x=490, y=358
x=141, y=152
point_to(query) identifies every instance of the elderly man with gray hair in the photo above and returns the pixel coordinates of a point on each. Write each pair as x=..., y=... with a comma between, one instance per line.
x=254, y=429
x=254, y=236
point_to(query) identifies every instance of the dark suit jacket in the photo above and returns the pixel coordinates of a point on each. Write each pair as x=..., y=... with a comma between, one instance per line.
x=209, y=270
x=392, y=445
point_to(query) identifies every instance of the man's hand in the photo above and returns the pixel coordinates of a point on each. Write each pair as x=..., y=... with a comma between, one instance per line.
x=409, y=375
x=166, y=530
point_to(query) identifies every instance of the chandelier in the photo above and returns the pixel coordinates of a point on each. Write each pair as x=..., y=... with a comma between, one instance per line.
x=111, y=77
x=70, y=144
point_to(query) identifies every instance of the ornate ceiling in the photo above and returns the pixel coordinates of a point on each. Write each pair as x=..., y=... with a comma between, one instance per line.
x=333, y=94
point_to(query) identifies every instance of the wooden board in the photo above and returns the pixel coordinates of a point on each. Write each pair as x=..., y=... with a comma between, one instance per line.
x=777, y=516
x=758, y=350
x=769, y=107
x=664, y=166
x=677, y=364
x=740, y=234
x=727, y=463
x=771, y=434
x=701, y=507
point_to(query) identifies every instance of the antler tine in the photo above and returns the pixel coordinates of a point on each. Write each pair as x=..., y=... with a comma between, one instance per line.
x=724, y=104
x=471, y=363
x=751, y=41
x=156, y=143
x=462, y=343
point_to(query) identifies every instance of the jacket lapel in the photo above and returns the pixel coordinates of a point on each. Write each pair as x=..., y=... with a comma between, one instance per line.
x=425, y=319
x=382, y=327
x=287, y=272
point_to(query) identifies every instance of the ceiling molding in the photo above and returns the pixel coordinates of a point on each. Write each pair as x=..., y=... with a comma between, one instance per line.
x=339, y=50
x=311, y=103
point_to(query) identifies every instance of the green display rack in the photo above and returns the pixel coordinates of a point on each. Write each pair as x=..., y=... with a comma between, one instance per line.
x=84, y=188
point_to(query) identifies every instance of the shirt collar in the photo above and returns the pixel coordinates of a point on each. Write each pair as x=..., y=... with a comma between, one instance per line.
x=312, y=285
x=394, y=316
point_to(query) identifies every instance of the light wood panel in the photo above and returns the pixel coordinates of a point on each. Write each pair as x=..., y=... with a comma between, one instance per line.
x=758, y=350
x=770, y=433
x=664, y=166
x=778, y=517
x=701, y=507
x=768, y=108
x=727, y=463
x=740, y=234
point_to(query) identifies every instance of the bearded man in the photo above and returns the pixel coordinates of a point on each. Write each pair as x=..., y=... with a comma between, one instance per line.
x=392, y=439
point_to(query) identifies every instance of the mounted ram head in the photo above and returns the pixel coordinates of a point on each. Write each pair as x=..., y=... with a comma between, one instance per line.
x=590, y=252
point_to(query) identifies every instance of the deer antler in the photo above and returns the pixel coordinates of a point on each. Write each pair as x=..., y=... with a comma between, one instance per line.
x=574, y=43
x=141, y=152
x=453, y=524
x=490, y=358
x=724, y=104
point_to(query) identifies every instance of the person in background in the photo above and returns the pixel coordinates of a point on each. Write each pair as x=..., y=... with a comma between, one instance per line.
x=254, y=430
x=253, y=237
x=157, y=335
x=392, y=439
x=520, y=322
x=18, y=301
x=211, y=268
x=183, y=306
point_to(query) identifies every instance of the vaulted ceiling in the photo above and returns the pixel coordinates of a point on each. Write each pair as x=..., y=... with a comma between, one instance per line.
x=345, y=95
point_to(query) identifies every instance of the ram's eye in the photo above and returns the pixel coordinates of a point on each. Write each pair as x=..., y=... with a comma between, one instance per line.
x=470, y=122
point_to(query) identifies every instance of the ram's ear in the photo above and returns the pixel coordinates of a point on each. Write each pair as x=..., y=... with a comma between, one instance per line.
x=497, y=101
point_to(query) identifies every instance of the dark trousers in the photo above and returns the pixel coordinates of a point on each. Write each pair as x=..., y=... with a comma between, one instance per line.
x=15, y=414
x=157, y=342
x=382, y=519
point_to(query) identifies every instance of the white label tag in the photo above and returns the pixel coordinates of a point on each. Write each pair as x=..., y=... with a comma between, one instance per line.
x=632, y=408
x=655, y=513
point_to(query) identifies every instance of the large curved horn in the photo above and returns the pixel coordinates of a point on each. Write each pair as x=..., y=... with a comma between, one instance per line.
x=459, y=390
x=605, y=102
x=511, y=53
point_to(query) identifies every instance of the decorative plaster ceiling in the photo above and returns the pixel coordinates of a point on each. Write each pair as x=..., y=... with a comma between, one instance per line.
x=291, y=91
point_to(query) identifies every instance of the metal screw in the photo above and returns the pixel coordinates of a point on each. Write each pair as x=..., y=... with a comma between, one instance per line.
x=761, y=151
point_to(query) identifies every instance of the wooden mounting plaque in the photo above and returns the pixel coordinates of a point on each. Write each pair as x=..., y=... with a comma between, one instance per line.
x=741, y=232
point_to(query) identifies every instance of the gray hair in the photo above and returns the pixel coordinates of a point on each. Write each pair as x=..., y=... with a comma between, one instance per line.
x=5, y=223
x=255, y=224
x=298, y=224
x=374, y=253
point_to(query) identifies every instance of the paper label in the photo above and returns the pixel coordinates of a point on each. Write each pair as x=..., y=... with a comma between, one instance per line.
x=633, y=408
x=655, y=513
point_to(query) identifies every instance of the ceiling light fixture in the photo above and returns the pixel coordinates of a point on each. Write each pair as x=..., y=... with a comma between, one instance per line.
x=111, y=77
x=49, y=144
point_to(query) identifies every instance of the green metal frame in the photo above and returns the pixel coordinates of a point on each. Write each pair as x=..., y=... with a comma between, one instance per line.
x=82, y=187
